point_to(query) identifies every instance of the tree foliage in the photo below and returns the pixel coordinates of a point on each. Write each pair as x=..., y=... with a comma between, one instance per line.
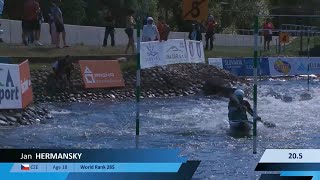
x=74, y=11
x=238, y=14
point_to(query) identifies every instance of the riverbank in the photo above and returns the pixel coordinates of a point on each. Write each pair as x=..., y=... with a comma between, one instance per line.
x=169, y=81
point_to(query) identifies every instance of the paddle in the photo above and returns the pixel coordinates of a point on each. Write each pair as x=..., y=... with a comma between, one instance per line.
x=265, y=123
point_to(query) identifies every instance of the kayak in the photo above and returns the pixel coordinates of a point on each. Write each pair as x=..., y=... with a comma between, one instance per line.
x=240, y=128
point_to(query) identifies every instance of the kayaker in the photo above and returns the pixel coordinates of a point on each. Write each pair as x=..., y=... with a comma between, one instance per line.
x=238, y=107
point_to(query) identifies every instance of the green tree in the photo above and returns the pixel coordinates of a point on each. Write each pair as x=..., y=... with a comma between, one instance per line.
x=94, y=13
x=74, y=11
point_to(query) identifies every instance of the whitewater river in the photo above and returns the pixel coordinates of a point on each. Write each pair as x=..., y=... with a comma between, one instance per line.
x=197, y=125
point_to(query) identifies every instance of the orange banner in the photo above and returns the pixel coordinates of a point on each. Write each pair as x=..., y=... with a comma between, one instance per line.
x=101, y=74
x=25, y=82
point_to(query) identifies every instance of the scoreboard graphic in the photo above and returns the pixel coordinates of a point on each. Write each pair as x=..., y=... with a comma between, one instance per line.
x=295, y=164
x=95, y=164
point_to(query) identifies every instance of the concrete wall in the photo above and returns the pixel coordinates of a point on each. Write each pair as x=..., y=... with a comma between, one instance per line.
x=88, y=35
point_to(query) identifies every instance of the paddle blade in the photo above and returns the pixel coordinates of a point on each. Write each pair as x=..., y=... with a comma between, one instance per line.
x=269, y=124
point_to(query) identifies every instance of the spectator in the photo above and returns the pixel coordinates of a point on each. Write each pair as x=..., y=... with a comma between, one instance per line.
x=150, y=31
x=30, y=20
x=145, y=20
x=52, y=26
x=130, y=23
x=195, y=34
x=37, y=31
x=110, y=24
x=59, y=24
x=62, y=69
x=210, y=32
x=268, y=27
x=163, y=29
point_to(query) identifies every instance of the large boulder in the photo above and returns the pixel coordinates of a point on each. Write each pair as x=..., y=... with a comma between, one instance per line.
x=218, y=86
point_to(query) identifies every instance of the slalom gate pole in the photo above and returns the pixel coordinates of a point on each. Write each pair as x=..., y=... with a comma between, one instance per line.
x=138, y=83
x=308, y=59
x=256, y=31
x=260, y=58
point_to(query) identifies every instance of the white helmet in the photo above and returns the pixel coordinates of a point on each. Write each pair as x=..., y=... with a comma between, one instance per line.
x=239, y=92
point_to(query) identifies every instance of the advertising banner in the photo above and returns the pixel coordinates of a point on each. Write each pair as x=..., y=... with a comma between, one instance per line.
x=244, y=66
x=175, y=51
x=294, y=66
x=151, y=54
x=195, y=51
x=101, y=74
x=10, y=90
x=217, y=62
x=25, y=83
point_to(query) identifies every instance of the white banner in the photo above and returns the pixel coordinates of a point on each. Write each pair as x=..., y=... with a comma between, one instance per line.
x=10, y=89
x=294, y=66
x=175, y=51
x=195, y=51
x=151, y=54
x=217, y=62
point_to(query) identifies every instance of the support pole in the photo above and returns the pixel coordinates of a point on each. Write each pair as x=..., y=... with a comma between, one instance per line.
x=138, y=82
x=256, y=31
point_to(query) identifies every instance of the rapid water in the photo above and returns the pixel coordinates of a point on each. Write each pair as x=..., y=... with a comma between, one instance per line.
x=197, y=125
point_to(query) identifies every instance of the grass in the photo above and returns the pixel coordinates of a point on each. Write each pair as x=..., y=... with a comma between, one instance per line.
x=49, y=52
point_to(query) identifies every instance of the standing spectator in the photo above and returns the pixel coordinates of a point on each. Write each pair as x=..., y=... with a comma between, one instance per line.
x=195, y=34
x=150, y=31
x=37, y=30
x=268, y=27
x=59, y=24
x=110, y=24
x=29, y=19
x=52, y=26
x=163, y=29
x=130, y=23
x=210, y=32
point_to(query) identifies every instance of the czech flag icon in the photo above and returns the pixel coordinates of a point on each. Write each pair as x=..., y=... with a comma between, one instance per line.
x=25, y=167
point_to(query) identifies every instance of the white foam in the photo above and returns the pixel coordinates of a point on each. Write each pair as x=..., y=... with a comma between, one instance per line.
x=61, y=112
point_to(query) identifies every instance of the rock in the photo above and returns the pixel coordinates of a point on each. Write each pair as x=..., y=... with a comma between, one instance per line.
x=3, y=123
x=23, y=122
x=12, y=119
x=217, y=85
x=49, y=116
x=2, y=117
x=18, y=116
x=45, y=110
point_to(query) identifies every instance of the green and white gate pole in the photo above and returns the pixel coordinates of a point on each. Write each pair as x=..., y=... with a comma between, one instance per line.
x=255, y=72
x=138, y=84
x=308, y=59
